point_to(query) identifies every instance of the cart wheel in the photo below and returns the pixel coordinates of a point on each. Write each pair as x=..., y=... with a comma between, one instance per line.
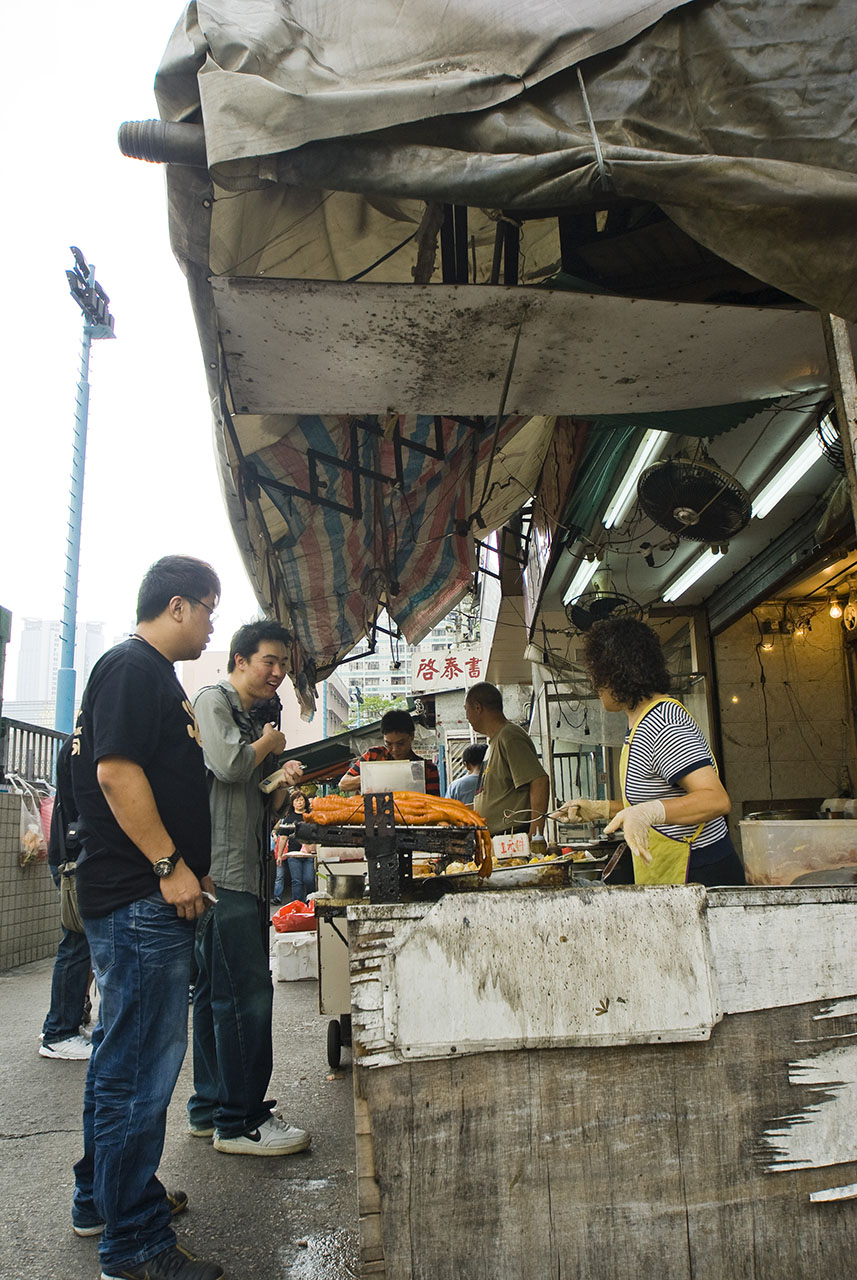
x=334, y=1043
x=345, y=1028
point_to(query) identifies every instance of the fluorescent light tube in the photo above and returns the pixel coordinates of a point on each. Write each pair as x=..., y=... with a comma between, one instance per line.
x=698, y=567
x=651, y=443
x=581, y=579
x=787, y=477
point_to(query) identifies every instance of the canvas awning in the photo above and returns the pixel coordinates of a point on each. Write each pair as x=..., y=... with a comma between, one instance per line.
x=335, y=132
x=735, y=118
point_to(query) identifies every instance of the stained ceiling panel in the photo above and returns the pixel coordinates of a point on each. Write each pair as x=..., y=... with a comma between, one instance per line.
x=331, y=348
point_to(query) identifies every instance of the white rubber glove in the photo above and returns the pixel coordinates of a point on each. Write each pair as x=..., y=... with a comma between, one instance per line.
x=582, y=810
x=636, y=821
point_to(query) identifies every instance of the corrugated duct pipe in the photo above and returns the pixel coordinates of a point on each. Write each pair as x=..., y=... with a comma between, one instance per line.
x=161, y=142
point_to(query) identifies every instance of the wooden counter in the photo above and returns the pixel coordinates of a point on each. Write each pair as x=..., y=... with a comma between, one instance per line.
x=597, y=1084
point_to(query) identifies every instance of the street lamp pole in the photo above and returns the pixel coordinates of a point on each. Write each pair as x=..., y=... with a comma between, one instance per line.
x=97, y=323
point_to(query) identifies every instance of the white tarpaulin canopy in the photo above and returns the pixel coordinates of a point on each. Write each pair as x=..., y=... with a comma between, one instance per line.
x=333, y=131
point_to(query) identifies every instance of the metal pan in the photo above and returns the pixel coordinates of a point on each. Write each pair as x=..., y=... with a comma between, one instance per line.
x=552, y=874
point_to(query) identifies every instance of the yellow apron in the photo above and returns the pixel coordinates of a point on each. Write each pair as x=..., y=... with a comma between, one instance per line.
x=670, y=858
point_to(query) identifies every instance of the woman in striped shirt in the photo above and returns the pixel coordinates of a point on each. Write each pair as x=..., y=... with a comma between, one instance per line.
x=674, y=804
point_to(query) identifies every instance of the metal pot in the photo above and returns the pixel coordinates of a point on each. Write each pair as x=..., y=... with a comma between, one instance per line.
x=347, y=885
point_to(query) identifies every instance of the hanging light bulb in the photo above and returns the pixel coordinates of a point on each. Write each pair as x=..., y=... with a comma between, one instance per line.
x=835, y=609
x=767, y=642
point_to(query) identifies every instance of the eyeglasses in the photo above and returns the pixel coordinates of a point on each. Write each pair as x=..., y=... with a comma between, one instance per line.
x=209, y=608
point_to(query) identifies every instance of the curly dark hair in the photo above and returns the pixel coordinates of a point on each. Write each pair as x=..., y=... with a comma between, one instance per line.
x=625, y=656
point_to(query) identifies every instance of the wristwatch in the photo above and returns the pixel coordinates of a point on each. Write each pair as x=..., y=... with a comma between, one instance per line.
x=166, y=866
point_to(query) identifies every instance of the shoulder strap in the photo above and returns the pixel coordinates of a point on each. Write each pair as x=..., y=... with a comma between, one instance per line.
x=60, y=826
x=234, y=712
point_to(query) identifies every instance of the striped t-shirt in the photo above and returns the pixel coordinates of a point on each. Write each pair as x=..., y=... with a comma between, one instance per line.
x=668, y=744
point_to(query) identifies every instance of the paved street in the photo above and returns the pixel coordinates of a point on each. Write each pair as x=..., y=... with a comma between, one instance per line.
x=290, y=1218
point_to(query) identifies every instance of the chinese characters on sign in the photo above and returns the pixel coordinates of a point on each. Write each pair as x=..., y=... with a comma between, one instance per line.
x=455, y=668
x=516, y=846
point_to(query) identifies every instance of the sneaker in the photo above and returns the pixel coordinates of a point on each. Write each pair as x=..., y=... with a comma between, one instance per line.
x=75, y=1048
x=201, y=1130
x=273, y=1138
x=177, y=1200
x=174, y=1263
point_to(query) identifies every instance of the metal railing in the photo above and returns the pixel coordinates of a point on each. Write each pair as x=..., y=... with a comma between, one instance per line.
x=28, y=751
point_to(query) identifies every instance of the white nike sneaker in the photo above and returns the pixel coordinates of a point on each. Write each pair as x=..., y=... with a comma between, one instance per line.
x=75, y=1048
x=273, y=1138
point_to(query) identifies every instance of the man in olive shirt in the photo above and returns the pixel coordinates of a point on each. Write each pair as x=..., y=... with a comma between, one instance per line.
x=513, y=789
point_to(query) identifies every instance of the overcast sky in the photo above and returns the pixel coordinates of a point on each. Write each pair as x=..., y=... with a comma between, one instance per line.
x=74, y=73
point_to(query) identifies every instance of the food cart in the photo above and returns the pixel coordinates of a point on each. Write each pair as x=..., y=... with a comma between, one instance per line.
x=568, y=1079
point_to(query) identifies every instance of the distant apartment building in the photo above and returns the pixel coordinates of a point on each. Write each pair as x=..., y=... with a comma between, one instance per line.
x=388, y=672
x=38, y=661
x=39, y=658
x=334, y=704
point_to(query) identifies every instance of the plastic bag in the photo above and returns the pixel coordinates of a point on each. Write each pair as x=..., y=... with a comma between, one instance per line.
x=294, y=917
x=46, y=812
x=31, y=836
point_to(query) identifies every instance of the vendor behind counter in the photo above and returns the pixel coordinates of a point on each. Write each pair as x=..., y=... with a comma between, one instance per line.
x=513, y=789
x=398, y=731
x=673, y=807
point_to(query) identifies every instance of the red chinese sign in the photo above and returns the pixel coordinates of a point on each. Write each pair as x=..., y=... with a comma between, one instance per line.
x=438, y=672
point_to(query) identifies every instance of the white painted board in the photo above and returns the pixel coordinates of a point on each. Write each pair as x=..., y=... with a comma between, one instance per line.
x=487, y=971
x=310, y=346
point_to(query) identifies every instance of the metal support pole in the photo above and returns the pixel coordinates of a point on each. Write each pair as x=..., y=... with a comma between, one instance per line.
x=97, y=323
x=66, y=674
x=843, y=381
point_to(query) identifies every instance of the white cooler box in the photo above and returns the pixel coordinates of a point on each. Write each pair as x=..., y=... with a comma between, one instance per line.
x=295, y=956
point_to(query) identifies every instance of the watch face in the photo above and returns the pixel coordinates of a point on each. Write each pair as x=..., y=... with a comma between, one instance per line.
x=163, y=867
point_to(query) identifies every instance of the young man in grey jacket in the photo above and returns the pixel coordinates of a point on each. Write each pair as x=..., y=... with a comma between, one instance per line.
x=233, y=999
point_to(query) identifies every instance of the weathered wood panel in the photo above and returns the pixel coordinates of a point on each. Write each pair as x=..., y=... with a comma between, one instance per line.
x=609, y=1163
x=731, y=1159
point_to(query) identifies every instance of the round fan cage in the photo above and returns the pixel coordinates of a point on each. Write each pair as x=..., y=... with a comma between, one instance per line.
x=830, y=441
x=593, y=606
x=695, y=500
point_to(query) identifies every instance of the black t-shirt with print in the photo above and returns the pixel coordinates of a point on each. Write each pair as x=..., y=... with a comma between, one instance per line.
x=133, y=706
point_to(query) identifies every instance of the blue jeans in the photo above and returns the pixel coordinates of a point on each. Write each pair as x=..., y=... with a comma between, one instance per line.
x=280, y=882
x=68, y=985
x=232, y=1006
x=141, y=959
x=302, y=872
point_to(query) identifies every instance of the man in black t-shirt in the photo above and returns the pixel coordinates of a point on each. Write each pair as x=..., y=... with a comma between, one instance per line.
x=140, y=788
